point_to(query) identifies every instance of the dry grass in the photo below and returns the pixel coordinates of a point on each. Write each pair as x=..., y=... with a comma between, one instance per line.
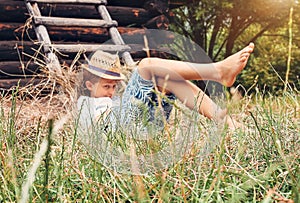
x=247, y=166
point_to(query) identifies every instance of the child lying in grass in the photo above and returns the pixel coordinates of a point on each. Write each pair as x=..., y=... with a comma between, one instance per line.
x=103, y=73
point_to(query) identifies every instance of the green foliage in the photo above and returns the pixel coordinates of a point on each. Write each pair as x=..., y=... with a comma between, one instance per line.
x=223, y=27
x=267, y=66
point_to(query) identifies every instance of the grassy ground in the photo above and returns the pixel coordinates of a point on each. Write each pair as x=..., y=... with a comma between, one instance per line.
x=42, y=159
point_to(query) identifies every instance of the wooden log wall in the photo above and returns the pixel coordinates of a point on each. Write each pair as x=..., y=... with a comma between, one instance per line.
x=19, y=47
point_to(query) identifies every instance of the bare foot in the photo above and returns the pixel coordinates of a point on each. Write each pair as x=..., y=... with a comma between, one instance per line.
x=230, y=67
x=232, y=124
x=223, y=118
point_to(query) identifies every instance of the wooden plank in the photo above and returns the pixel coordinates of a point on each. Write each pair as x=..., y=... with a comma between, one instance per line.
x=130, y=3
x=58, y=21
x=43, y=37
x=93, y=2
x=120, y=3
x=157, y=7
x=141, y=3
x=17, y=68
x=27, y=50
x=11, y=31
x=125, y=16
x=6, y=84
x=71, y=48
x=12, y=50
x=160, y=22
x=139, y=54
x=12, y=11
x=15, y=31
x=115, y=35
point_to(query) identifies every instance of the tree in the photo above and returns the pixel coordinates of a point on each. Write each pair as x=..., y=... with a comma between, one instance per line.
x=216, y=25
x=269, y=64
x=223, y=27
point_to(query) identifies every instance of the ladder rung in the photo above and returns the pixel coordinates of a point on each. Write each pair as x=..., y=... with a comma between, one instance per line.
x=94, y=2
x=72, y=48
x=58, y=21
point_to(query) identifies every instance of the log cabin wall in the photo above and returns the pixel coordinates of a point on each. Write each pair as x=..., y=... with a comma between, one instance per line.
x=20, y=54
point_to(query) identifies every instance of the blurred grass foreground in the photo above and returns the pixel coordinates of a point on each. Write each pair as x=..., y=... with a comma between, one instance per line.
x=43, y=160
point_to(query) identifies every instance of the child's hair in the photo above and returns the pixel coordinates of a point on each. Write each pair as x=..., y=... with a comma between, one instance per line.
x=87, y=76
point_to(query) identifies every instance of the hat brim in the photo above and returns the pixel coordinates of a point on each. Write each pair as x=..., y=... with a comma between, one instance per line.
x=103, y=75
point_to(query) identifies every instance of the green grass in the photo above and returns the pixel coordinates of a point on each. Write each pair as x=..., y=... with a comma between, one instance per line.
x=260, y=164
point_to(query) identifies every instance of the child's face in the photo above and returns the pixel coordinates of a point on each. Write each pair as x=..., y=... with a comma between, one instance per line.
x=102, y=88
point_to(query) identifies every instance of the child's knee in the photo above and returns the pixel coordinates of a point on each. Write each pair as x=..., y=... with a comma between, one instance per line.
x=148, y=62
x=145, y=68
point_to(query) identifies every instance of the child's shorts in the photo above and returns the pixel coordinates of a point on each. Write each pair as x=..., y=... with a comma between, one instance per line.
x=140, y=102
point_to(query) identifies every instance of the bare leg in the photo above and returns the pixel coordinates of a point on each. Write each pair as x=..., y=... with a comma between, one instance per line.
x=194, y=98
x=173, y=75
x=223, y=72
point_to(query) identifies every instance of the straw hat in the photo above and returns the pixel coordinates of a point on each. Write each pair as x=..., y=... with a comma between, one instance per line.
x=105, y=65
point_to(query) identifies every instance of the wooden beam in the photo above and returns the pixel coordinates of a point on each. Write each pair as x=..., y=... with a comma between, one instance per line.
x=74, y=48
x=13, y=50
x=129, y=3
x=124, y=15
x=58, y=21
x=15, y=11
x=7, y=84
x=115, y=35
x=27, y=50
x=92, y=2
x=17, y=68
x=12, y=31
x=157, y=7
x=17, y=31
x=159, y=22
x=110, y=2
x=141, y=3
x=43, y=37
x=129, y=16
